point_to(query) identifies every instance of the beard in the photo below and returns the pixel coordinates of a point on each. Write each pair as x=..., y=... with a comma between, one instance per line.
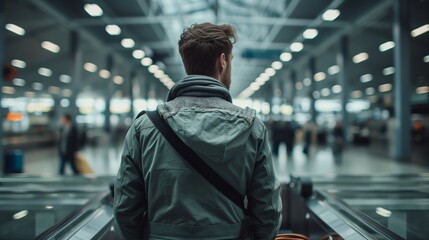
x=225, y=78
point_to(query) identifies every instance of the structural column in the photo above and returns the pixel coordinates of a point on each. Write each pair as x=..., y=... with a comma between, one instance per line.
x=131, y=92
x=292, y=90
x=312, y=68
x=77, y=55
x=402, y=79
x=343, y=61
x=2, y=111
x=109, y=93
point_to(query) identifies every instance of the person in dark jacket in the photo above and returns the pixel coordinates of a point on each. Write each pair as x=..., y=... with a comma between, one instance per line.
x=67, y=144
x=158, y=191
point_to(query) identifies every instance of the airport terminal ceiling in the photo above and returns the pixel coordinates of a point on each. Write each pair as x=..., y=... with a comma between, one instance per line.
x=279, y=34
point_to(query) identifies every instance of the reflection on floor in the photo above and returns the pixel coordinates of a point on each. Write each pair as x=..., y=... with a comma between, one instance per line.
x=355, y=160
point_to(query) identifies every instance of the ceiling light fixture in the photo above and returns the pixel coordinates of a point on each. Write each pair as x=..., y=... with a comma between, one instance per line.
x=420, y=30
x=298, y=85
x=358, y=58
x=153, y=68
x=310, y=33
x=422, y=90
x=316, y=94
x=18, y=63
x=18, y=82
x=307, y=82
x=37, y=86
x=426, y=59
x=65, y=78
x=90, y=67
x=337, y=88
x=104, y=73
x=127, y=43
x=138, y=54
x=330, y=14
x=15, y=29
x=93, y=9
x=388, y=71
x=356, y=94
x=270, y=71
x=286, y=57
x=277, y=65
x=366, y=78
x=385, y=87
x=118, y=80
x=113, y=29
x=45, y=72
x=54, y=90
x=386, y=46
x=332, y=70
x=67, y=92
x=319, y=76
x=370, y=91
x=296, y=47
x=50, y=46
x=146, y=61
x=325, y=92
x=8, y=90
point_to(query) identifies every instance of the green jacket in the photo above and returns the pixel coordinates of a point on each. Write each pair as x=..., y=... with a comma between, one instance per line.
x=179, y=203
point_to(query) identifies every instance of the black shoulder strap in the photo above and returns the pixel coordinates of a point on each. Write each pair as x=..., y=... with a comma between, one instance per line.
x=195, y=161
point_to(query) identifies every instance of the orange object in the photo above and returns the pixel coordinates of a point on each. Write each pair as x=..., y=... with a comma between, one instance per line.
x=14, y=116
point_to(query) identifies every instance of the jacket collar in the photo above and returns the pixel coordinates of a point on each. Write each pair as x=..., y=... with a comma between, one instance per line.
x=199, y=86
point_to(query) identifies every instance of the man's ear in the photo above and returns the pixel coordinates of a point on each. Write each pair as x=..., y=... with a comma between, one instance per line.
x=222, y=62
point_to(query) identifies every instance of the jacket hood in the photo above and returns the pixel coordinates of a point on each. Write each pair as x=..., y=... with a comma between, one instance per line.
x=209, y=124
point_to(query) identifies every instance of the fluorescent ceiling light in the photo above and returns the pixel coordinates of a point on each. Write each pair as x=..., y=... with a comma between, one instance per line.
x=104, y=73
x=319, y=76
x=286, y=57
x=385, y=87
x=8, y=90
x=270, y=71
x=422, y=90
x=356, y=94
x=54, y=90
x=296, y=47
x=366, y=78
x=37, y=86
x=15, y=29
x=264, y=77
x=388, y=71
x=255, y=86
x=65, y=78
x=153, y=68
x=386, y=46
x=67, y=92
x=330, y=14
x=20, y=214
x=316, y=94
x=118, y=80
x=147, y=61
x=383, y=212
x=298, y=85
x=420, y=30
x=113, y=29
x=370, y=91
x=127, y=43
x=90, y=67
x=93, y=9
x=50, y=46
x=307, y=82
x=277, y=65
x=138, y=54
x=18, y=82
x=336, y=88
x=45, y=72
x=358, y=58
x=18, y=63
x=159, y=73
x=29, y=94
x=310, y=33
x=426, y=59
x=332, y=70
x=325, y=92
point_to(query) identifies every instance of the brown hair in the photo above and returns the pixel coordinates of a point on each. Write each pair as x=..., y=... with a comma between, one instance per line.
x=200, y=45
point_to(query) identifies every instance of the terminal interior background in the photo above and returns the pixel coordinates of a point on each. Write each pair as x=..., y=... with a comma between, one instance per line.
x=362, y=63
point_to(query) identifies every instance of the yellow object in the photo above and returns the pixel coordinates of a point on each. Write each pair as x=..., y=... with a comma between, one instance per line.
x=82, y=165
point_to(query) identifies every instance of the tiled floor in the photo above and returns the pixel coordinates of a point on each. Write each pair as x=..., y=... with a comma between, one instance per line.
x=356, y=160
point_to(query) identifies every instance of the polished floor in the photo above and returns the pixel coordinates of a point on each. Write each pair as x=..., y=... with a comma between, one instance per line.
x=104, y=159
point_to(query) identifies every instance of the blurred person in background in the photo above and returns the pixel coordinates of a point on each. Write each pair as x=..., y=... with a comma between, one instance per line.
x=338, y=141
x=68, y=144
x=158, y=194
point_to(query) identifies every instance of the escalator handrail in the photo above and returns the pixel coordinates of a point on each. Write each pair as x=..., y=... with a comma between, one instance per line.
x=72, y=217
